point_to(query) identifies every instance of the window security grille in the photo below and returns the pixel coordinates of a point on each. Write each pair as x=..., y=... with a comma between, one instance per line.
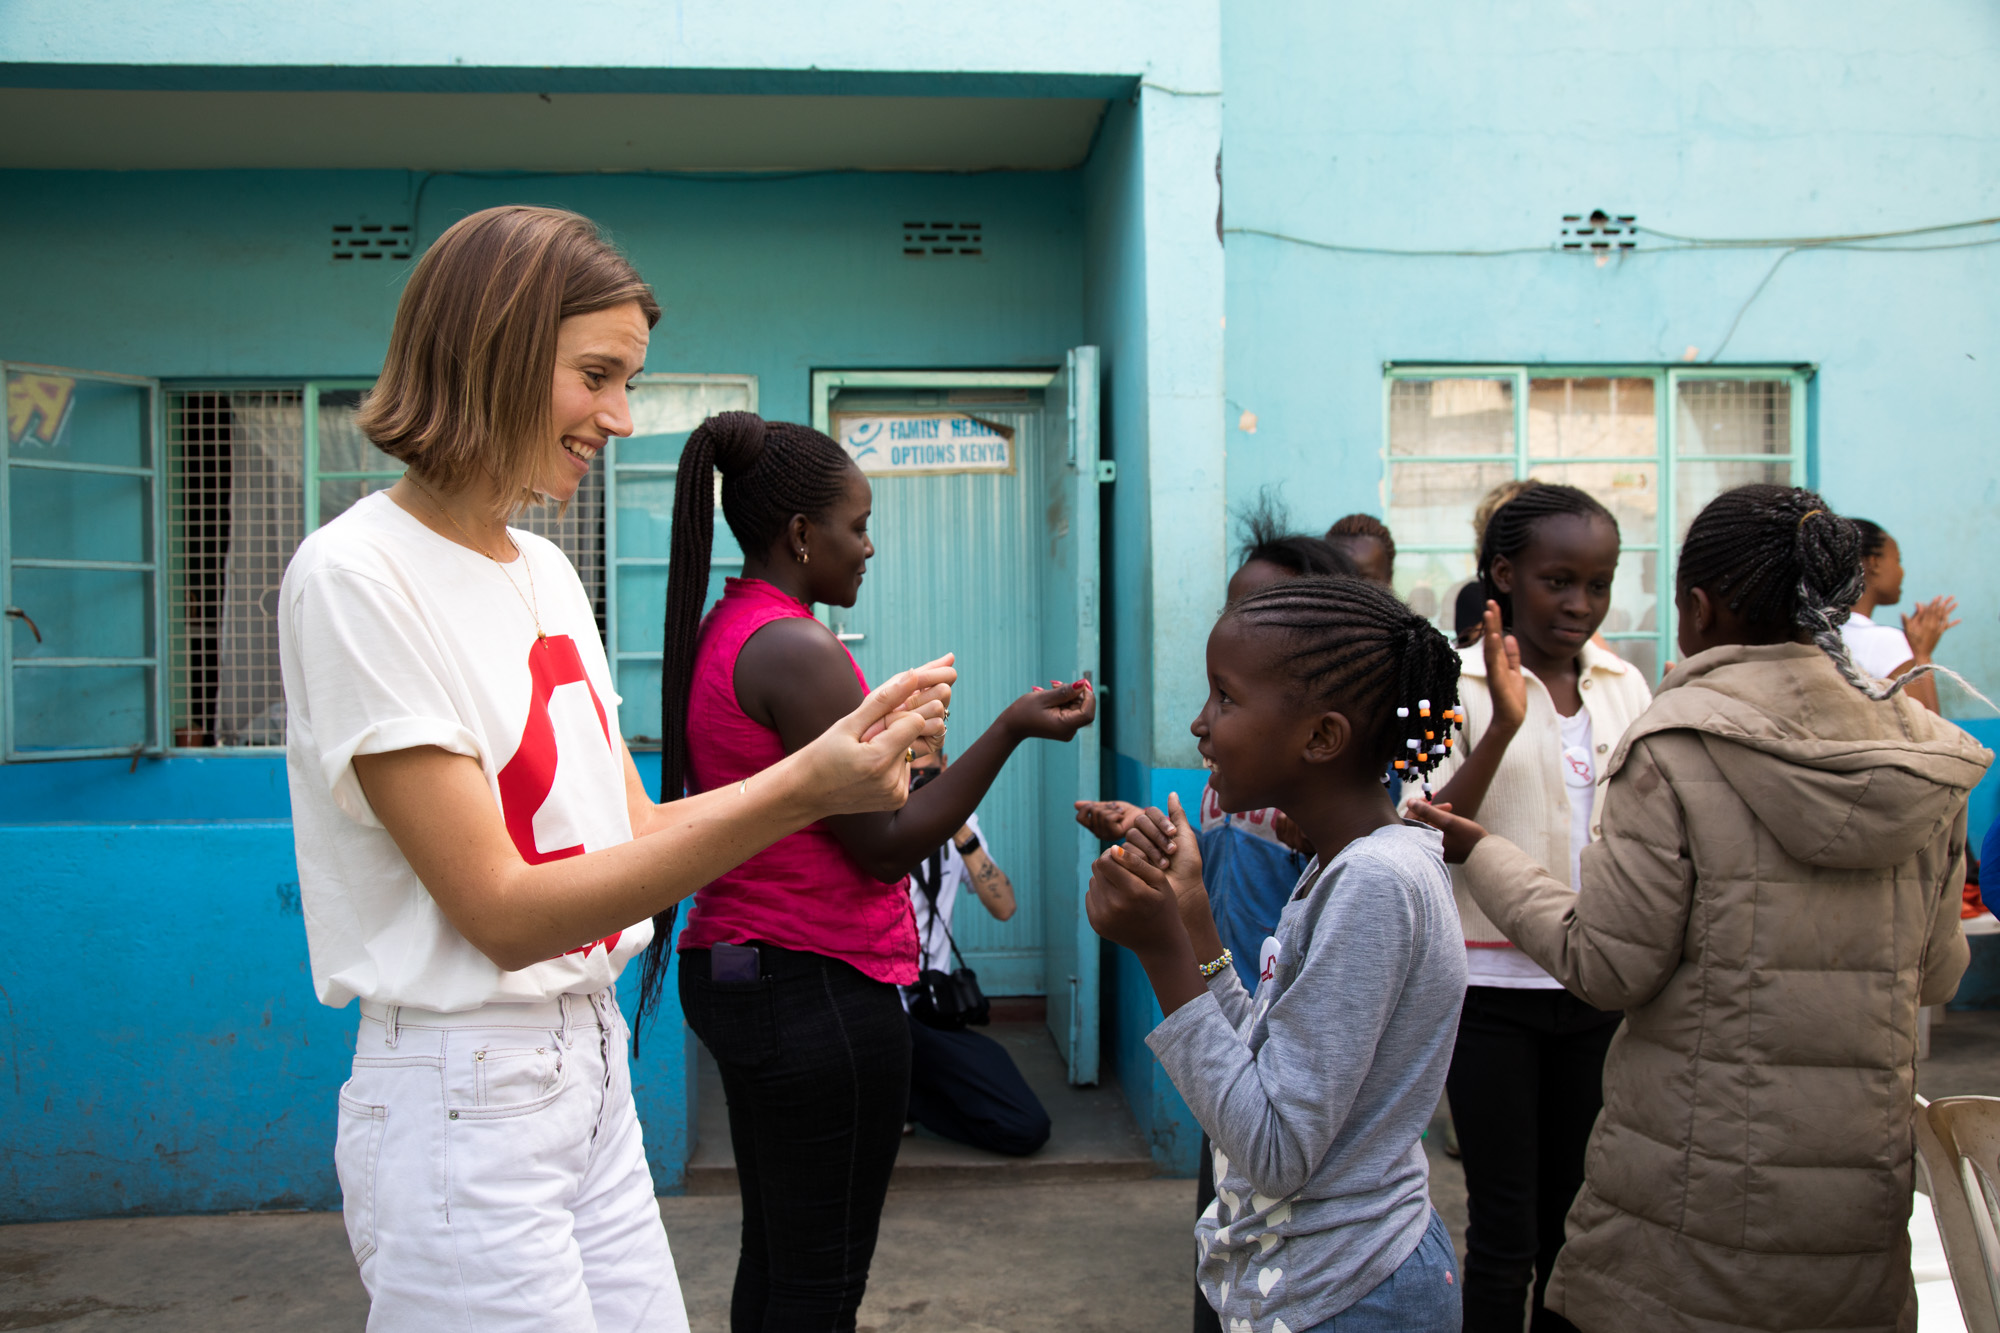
x=925, y=240
x=234, y=517
x=236, y=512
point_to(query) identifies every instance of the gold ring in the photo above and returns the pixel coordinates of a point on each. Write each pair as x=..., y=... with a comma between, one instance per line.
x=910, y=755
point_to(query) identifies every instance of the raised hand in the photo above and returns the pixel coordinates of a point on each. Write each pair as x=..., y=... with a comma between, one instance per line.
x=1183, y=872
x=1053, y=714
x=1460, y=835
x=1926, y=624
x=1131, y=903
x=1504, y=680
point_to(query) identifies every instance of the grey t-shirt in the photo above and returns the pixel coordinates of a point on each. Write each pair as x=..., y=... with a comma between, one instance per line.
x=1316, y=1092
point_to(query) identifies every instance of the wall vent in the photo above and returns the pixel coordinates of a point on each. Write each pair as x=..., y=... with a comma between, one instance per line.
x=1599, y=230
x=937, y=240
x=372, y=240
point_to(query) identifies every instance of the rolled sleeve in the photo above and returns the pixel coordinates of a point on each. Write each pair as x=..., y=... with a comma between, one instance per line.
x=375, y=682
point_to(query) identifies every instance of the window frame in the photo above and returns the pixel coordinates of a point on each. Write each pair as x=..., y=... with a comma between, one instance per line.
x=154, y=473
x=309, y=467
x=1667, y=455
x=614, y=467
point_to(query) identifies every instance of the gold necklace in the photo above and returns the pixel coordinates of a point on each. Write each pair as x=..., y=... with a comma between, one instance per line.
x=534, y=608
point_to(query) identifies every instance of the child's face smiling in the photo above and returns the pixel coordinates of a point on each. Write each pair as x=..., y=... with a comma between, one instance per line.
x=1253, y=730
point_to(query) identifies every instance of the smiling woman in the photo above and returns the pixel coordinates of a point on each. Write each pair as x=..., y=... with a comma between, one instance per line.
x=477, y=857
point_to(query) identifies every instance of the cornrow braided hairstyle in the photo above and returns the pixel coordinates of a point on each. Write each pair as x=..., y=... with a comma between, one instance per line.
x=1353, y=641
x=1512, y=527
x=1266, y=537
x=771, y=470
x=1783, y=560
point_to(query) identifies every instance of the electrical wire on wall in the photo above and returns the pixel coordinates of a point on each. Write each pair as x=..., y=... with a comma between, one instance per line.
x=1872, y=242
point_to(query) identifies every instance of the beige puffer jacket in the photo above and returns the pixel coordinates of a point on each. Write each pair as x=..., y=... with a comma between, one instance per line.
x=1775, y=894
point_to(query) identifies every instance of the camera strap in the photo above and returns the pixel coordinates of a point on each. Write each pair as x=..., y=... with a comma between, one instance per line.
x=929, y=877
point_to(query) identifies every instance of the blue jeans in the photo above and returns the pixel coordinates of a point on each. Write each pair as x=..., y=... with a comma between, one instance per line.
x=1421, y=1296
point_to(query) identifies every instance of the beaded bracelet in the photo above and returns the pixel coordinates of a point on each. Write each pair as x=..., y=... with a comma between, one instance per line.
x=1208, y=970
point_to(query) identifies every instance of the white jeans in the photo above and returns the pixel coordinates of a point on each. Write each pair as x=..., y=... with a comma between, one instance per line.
x=492, y=1174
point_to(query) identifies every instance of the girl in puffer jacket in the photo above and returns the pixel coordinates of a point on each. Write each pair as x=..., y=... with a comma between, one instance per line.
x=1774, y=896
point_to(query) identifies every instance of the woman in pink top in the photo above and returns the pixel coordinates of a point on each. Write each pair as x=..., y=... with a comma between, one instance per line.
x=790, y=963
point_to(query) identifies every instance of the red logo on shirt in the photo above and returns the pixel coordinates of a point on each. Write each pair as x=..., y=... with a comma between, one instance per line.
x=529, y=777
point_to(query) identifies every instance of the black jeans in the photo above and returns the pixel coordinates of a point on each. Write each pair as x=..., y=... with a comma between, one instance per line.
x=1526, y=1084
x=965, y=1086
x=815, y=1061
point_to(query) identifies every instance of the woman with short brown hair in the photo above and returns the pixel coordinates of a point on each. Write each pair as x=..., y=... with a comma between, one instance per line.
x=477, y=856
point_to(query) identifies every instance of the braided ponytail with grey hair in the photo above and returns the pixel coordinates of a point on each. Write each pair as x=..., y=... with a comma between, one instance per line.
x=1783, y=560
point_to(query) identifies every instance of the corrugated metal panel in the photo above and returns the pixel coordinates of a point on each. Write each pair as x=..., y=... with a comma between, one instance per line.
x=955, y=572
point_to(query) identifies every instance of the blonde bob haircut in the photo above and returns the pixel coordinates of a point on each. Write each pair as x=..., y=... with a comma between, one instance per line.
x=466, y=387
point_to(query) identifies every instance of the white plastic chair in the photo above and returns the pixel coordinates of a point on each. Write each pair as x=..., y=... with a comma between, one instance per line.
x=1958, y=1143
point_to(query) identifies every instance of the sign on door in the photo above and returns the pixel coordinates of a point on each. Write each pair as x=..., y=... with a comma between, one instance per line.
x=906, y=443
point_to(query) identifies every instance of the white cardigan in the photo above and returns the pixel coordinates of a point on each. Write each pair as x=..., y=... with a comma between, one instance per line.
x=1528, y=803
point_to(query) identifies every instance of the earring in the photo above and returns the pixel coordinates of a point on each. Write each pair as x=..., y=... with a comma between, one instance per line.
x=805, y=556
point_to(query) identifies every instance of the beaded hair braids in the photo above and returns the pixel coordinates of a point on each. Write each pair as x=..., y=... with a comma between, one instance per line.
x=1353, y=642
x=771, y=470
x=1783, y=560
x=1512, y=527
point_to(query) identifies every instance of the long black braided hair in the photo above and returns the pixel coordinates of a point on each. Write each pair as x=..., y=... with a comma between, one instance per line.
x=1512, y=527
x=1783, y=560
x=771, y=470
x=1353, y=641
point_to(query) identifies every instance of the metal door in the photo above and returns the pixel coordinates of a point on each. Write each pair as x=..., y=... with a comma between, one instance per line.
x=1066, y=566
x=1000, y=568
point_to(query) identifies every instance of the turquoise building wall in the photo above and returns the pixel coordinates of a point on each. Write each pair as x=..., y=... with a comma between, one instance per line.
x=1278, y=200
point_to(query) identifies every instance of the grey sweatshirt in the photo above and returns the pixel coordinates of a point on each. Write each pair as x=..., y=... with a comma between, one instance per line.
x=1316, y=1092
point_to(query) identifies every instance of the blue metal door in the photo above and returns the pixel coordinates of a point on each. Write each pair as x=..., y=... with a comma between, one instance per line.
x=1066, y=568
x=1000, y=568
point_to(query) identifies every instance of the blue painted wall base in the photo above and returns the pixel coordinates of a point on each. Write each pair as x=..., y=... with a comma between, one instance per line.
x=164, y=1052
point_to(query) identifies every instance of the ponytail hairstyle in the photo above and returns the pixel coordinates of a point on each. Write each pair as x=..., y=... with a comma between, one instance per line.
x=1266, y=537
x=1353, y=642
x=771, y=470
x=1512, y=527
x=1783, y=560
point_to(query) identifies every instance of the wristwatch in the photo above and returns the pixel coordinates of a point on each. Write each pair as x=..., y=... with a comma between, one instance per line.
x=969, y=846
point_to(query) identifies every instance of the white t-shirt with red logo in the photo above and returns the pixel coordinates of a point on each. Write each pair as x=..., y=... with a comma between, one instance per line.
x=393, y=637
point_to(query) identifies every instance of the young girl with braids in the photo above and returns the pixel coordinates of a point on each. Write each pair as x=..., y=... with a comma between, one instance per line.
x=1316, y=1091
x=790, y=963
x=1544, y=706
x=1775, y=894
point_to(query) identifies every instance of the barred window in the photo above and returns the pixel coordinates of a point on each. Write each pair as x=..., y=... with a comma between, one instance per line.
x=252, y=469
x=1653, y=444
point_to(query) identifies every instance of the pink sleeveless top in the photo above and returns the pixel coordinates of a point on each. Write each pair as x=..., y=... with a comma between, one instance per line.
x=803, y=892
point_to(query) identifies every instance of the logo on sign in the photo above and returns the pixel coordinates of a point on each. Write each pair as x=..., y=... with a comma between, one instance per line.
x=892, y=444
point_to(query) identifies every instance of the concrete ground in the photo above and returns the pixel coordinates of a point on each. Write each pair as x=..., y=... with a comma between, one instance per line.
x=1010, y=1256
